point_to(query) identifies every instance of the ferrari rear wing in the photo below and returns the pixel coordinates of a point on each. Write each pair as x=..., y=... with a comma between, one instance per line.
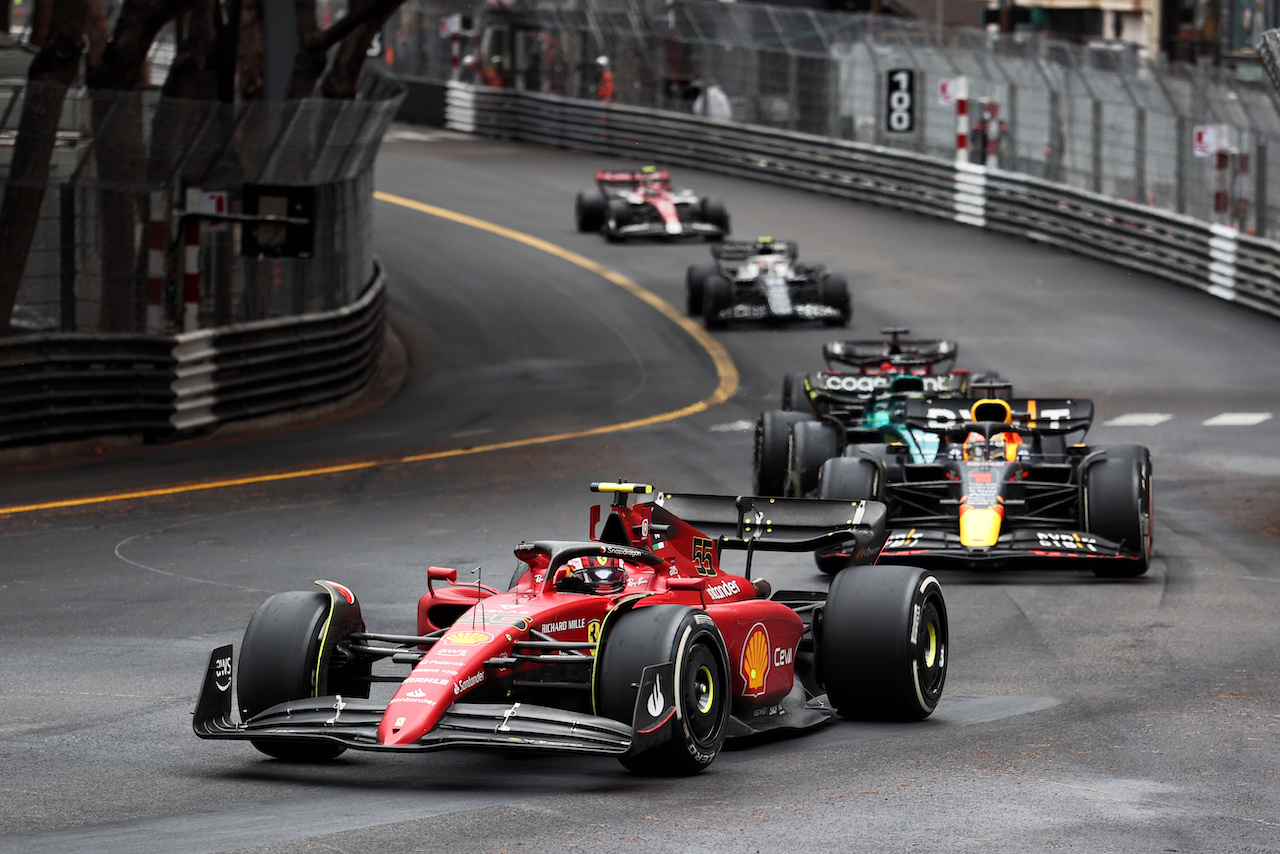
x=781, y=524
x=1039, y=415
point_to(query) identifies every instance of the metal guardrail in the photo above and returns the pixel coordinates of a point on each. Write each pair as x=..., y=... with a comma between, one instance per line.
x=61, y=387
x=1214, y=258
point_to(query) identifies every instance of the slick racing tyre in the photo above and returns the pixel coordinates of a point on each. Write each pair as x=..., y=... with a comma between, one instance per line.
x=281, y=659
x=883, y=645
x=1117, y=507
x=713, y=212
x=850, y=479
x=769, y=457
x=695, y=282
x=809, y=445
x=590, y=209
x=690, y=740
x=833, y=292
x=846, y=479
x=618, y=215
x=794, y=396
x=717, y=295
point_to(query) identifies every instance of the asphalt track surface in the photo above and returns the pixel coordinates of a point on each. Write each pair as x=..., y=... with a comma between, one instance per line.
x=1079, y=714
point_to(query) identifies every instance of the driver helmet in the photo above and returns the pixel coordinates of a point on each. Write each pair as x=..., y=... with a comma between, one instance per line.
x=1000, y=447
x=599, y=575
x=765, y=245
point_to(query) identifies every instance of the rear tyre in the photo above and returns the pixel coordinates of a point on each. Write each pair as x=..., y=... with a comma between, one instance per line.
x=810, y=444
x=280, y=660
x=769, y=457
x=884, y=643
x=688, y=637
x=794, y=396
x=590, y=208
x=695, y=282
x=717, y=295
x=833, y=292
x=1117, y=501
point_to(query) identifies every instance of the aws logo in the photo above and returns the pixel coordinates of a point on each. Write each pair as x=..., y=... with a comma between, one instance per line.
x=755, y=661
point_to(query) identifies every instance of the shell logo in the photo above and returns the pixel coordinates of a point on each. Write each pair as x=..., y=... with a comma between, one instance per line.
x=467, y=638
x=755, y=661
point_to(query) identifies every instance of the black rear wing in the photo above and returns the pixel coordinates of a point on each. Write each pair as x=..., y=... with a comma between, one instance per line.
x=899, y=352
x=780, y=524
x=1044, y=415
x=734, y=251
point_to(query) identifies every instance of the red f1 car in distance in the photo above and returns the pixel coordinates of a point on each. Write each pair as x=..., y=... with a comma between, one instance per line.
x=643, y=204
x=636, y=643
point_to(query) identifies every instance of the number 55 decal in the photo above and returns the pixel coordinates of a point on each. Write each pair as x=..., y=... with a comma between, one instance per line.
x=704, y=553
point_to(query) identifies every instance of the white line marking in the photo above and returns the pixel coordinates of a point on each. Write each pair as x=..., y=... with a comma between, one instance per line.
x=734, y=427
x=1237, y=419
x=1138, y=419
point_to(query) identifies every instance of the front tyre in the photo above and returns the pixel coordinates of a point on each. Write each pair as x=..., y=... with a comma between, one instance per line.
x=717, y=295
x=795, y=397
x=884, y=643
x=1117, y=497
x=287, y=654
x=695, y=282
x=689, y=638
x=590, y=208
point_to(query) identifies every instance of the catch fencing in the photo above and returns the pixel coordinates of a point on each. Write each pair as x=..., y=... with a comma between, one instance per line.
x=142, y=309
x=1214, y=258
x=1188, y=139
x=132, y=169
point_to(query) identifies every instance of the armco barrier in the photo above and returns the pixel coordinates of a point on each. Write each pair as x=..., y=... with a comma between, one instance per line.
x=58, y=387
x=1209, y=257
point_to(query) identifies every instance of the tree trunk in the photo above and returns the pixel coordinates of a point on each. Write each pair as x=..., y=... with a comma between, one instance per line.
x=193, y=75
x=98, y=32
x=50, y=74
x=41, y=21
x=355, y=30
x=121, y=154
x=309, y=61
x=345, y=74
x=251, y=60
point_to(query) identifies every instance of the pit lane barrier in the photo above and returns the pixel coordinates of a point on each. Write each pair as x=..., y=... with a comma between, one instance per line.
x=57, y=387
x=1213, y=258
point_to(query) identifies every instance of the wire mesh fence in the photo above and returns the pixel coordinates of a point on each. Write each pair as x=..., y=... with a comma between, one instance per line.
x=125, y=160
x=1097, y=117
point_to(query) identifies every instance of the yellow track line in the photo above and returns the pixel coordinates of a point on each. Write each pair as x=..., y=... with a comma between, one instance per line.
x=726, y=372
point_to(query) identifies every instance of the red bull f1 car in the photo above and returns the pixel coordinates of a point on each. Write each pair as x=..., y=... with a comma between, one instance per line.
x=636, y=643
x=643, y=204
x=1010, y=484
x=763, y=280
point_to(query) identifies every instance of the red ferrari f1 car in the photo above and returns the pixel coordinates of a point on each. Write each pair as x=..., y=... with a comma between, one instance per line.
x=644, y=204
x=636, y=643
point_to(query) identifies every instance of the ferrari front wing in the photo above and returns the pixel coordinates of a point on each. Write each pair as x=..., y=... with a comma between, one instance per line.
x=353, y=722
